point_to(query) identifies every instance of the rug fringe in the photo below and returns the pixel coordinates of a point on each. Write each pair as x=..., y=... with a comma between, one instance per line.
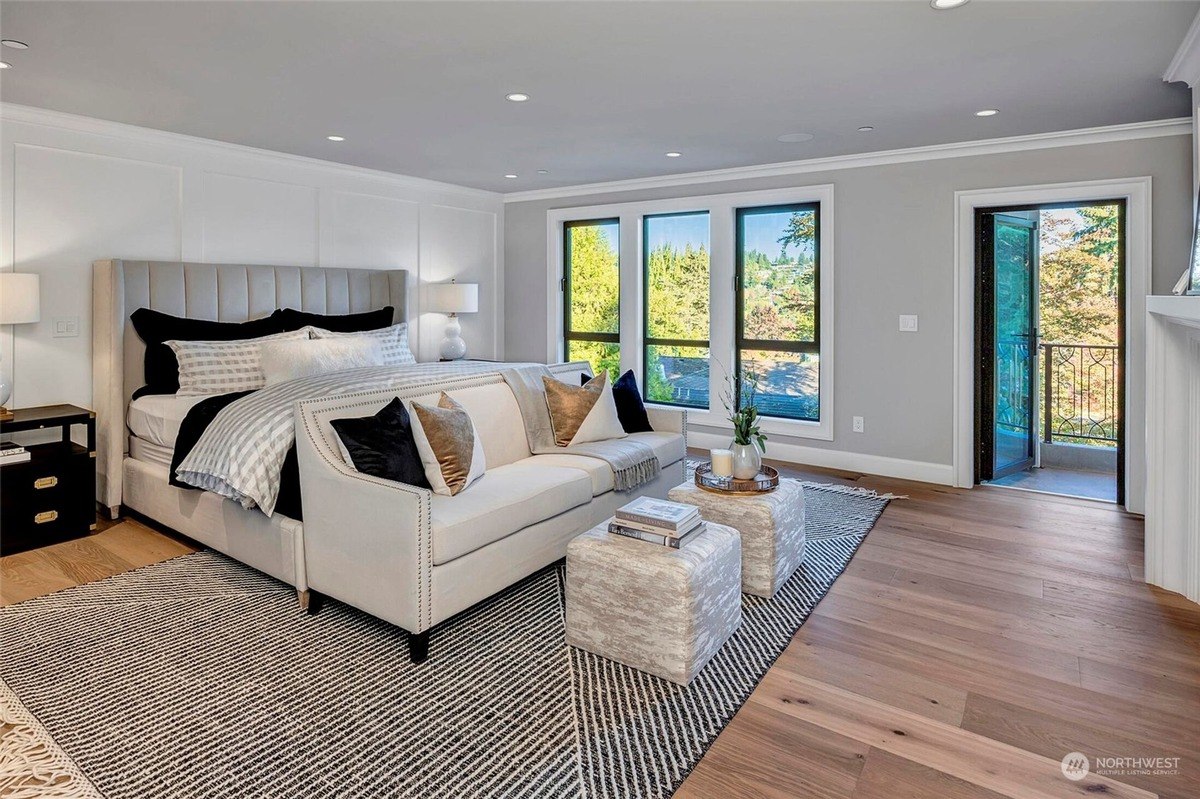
x=31, y=764
x=859, y=491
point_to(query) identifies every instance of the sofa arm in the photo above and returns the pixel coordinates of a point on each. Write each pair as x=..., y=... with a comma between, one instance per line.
x=367, y=541
x=668, y=420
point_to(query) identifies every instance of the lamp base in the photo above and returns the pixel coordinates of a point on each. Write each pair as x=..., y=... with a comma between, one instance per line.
x=5, y=414
x=453, y=347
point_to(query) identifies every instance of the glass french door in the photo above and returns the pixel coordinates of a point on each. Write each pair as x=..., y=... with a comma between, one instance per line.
x=1007, y=342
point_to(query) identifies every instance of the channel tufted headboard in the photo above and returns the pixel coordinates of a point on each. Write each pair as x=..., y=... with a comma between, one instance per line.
x=222, y=292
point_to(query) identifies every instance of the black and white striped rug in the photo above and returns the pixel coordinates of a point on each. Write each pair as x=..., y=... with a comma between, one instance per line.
x=199, y=677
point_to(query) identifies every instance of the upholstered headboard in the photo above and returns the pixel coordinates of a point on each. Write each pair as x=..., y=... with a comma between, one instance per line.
x=222, y=292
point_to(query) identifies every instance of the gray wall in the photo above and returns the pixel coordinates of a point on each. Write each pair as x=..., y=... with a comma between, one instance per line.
x=895, y=254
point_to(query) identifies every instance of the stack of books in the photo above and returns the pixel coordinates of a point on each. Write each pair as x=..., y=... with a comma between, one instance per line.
x=657, y=521
x=11, y=453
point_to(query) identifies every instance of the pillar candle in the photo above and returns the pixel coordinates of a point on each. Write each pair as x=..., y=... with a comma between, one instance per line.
x=722, y=462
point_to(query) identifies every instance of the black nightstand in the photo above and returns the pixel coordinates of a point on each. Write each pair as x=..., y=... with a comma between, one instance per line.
x=52, y=496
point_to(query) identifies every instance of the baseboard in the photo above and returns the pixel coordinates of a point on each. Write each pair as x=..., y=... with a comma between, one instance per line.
x=920, y=471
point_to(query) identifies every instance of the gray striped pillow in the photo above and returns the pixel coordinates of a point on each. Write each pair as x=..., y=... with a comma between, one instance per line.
x=223, y=367
x=392, y=340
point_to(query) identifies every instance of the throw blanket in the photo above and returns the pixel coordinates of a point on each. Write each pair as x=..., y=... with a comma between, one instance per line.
x=197, y=421
x=240, y=455
x=632, y=462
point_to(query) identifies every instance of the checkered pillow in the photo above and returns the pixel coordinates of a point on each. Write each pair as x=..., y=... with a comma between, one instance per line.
x=393, y=342
x=223, y=367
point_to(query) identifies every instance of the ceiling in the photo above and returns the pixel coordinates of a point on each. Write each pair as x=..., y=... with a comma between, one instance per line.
x=418, y=88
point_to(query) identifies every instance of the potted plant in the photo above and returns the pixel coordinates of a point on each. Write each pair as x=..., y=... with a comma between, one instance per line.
x=748, y=438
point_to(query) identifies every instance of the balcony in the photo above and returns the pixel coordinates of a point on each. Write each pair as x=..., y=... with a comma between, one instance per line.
x=1079, y=412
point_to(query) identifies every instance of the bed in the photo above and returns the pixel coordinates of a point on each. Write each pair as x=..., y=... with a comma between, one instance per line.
x=134, y=450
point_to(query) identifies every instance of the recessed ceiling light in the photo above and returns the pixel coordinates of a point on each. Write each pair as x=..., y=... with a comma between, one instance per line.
x=543, y=171
x=945, y=5
x=866, y=129
x=336, y=138
x=673, y=155
x=5, y=65
x=511, y=177
x=987, y=112
x=794, y=138
x=516, y=97
x=14, y=44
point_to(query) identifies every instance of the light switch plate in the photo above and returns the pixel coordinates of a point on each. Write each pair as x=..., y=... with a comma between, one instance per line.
x=908, y=323
x=66, y=326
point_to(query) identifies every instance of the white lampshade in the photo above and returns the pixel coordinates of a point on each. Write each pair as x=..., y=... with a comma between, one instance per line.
x=19, y=298
x=453, y=297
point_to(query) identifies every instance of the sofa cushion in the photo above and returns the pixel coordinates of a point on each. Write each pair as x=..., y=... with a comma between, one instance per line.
x=669, y=447
x=598, y=471
x=497, y=418
x=501, y=502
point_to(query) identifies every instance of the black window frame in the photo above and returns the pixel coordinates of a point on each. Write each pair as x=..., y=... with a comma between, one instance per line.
x=741, y=343
x=569, y=335
x=647, y=340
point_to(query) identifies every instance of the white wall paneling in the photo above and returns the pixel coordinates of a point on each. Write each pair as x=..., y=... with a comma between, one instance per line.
x=75, y=190
x=457, y=243
x=73, y=204
x=255, y=221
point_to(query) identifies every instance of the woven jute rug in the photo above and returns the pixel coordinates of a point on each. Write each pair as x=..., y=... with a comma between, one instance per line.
x=200, y=677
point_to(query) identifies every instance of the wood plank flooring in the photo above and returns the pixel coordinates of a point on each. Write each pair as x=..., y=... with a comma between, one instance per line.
x=976, y=638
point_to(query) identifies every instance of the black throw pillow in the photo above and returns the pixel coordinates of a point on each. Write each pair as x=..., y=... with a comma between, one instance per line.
x=382, y=445
x=630, y=409
x=291, y=319
x=156, y=327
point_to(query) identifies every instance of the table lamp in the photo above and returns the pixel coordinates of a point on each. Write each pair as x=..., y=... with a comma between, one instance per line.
x=19, y=304
x=452, y=299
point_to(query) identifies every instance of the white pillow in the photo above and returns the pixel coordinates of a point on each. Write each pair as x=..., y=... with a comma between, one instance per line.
x=223, y=367
x=602, y=422
x=393, y=340
x=288, y=360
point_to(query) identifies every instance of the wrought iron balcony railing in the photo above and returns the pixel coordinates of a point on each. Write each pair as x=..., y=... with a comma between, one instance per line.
x=1080, y=393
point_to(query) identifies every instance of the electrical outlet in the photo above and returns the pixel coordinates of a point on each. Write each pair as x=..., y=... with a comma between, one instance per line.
x=858, y=424
x=66, y=326
x=908, y=323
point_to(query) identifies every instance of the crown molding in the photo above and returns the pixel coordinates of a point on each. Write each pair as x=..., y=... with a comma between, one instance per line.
x=30, y=115
x=1037, y=141
x=1185, y=66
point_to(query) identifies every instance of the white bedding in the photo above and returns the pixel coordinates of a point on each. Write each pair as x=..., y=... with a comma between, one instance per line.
x=156, y=417
x=149, y=452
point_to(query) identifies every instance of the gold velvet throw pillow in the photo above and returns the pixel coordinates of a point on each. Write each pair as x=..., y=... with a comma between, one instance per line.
x=450, y=449
x=580, y=414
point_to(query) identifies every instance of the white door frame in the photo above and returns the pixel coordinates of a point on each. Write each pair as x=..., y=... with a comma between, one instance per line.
x=1136, y=193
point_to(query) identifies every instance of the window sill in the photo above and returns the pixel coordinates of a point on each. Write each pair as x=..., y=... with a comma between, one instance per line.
x=792, y=428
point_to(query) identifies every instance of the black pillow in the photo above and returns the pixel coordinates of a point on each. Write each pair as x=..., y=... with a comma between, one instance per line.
x=382, y=445
x=291, y=319
x=630, y=409
x=155, y=327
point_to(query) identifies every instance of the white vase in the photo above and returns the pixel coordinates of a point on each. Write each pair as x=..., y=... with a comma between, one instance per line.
x=746, y=461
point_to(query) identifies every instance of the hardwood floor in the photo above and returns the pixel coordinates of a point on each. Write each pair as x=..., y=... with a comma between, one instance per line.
x=975, y=639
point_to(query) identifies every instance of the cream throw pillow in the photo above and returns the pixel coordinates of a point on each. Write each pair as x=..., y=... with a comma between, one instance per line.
x=449, y=446
x=289, y=360
x=580, y=414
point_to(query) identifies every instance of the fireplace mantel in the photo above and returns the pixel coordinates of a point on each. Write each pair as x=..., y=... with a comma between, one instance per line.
x=1173, y=444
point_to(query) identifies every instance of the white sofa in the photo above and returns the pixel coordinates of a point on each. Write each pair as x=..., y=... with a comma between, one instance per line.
x=415, y=558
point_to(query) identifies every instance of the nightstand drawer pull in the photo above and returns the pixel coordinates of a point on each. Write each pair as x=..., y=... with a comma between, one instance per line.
x=45, y=482
x=45, y=516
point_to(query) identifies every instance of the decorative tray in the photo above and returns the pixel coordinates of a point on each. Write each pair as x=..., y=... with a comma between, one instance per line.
x=766, y=481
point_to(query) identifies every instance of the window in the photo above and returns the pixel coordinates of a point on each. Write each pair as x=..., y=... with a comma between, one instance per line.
x=592, y=294
x=675, y=260
x=778, y=308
